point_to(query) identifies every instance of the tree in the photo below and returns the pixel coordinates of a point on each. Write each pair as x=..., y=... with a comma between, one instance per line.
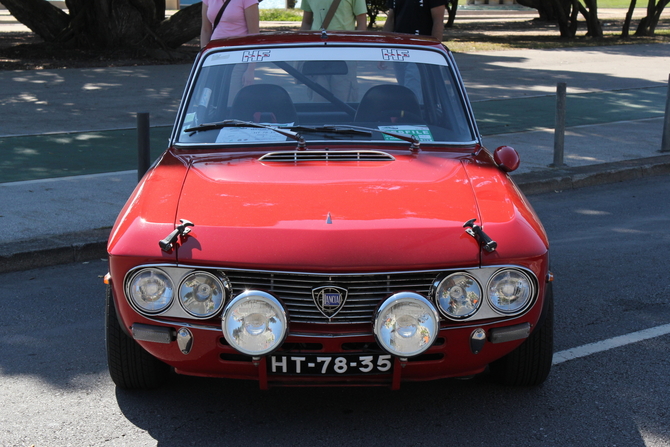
x=374, y=8
x=647, y=26
x=108, y=24
x=566, y=13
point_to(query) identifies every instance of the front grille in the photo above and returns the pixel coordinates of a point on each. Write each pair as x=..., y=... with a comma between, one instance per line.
x=365, y=291
x=298, y=156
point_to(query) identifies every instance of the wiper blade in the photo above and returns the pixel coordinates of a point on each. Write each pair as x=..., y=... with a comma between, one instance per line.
x=357, y=130
x=409, y=138
x=343, y=130
x=239, y=123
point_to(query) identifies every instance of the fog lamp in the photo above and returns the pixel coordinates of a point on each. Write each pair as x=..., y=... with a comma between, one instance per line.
x=254, y=323
x=406, y=324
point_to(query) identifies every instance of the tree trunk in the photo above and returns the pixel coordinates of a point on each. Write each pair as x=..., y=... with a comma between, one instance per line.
x=182, y=27
x=647, y=26
x=43, y=18
x=108, y=24
x=629, y=16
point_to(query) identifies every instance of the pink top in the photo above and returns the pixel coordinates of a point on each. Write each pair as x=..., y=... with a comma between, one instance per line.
x=232, y=21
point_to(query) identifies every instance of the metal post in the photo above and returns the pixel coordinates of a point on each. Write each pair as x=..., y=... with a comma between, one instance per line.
x=559, y=130
x=143, y=144
x=665, y=143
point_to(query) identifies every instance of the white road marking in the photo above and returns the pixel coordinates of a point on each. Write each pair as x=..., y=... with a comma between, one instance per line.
x=611, y=343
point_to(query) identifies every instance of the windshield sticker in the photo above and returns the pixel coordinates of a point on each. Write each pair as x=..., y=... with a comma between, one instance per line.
x=248, y=134
x=255, y=55
x=394, y=54
x=422, y=133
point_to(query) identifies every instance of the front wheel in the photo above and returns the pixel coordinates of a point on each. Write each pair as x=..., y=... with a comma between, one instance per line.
x=530, y=363
x=130, y=366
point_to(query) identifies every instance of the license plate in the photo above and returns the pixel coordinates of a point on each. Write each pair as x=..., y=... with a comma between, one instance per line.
x=334, y=365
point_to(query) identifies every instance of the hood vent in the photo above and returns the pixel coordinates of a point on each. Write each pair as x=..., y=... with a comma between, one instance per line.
x=296, y=156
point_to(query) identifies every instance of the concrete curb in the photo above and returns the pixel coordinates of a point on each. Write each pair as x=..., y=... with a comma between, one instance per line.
x=92, y=245
x=582, y=176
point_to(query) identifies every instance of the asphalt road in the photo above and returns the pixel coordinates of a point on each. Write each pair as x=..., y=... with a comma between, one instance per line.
x=609, y=248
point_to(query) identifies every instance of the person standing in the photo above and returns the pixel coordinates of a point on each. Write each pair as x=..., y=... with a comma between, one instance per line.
x=350, y=15
x=419, y=17
x=230, y=18
x=239, y=18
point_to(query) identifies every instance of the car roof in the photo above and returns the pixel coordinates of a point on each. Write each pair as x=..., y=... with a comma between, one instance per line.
x=339, y=37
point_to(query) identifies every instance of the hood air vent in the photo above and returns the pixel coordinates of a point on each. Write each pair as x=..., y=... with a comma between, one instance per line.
x=296, y=156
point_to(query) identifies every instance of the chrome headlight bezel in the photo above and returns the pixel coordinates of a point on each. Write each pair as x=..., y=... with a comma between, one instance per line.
x=133, y=293
x=415, y=309
x=457, y=280
x=187, y=302
x=271, y=334
x=528, y=290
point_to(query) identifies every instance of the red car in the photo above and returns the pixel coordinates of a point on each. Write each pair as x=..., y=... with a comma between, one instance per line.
x=326, y=214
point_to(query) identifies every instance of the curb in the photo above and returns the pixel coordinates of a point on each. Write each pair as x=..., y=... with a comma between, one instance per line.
x=91, y=245
x=560, y=179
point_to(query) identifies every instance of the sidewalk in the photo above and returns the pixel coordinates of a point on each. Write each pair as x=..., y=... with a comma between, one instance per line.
x=616, y=101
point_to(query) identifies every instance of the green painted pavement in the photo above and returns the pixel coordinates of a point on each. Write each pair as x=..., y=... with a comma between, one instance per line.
x=67, y=154
x=525, y=114
x=61, y=155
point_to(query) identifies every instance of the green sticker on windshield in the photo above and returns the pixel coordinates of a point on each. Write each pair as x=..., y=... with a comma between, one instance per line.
x=421, y=133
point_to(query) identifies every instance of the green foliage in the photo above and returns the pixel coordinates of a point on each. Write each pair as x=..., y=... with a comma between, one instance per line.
x=374, y=8
x=280, y=15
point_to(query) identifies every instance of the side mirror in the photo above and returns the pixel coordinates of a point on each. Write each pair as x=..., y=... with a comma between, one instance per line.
x=507, y=158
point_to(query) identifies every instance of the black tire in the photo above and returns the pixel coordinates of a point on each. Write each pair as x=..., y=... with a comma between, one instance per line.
x=530, y=363
x=130, y=366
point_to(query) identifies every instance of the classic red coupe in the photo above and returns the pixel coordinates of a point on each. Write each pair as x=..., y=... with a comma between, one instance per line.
x=326, y=214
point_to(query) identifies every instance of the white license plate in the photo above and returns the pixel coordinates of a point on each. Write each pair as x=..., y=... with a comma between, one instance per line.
x=347, y=364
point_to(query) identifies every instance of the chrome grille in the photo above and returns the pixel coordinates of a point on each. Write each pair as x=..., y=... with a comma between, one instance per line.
x=365, y=291
x=297, y=156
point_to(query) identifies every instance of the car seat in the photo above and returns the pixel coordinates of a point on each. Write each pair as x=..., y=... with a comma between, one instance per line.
x=263, y=103
x=389, y=103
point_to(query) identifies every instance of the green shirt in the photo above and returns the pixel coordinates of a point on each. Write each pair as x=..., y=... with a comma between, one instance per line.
x=345, y=15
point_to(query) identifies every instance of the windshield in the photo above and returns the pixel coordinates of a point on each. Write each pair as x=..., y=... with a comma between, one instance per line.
x=314, y=91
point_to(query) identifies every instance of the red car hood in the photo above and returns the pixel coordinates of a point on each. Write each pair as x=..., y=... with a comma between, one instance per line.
x=337, y=216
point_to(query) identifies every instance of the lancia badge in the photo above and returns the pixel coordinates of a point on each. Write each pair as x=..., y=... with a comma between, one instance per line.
x=329, y=300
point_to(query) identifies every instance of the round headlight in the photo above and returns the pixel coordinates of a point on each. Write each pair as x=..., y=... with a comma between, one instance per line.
x=406, y=324
x=510, y=291
x=458, y=296
x=201, y=294
x=150, y=291
x=254, y=323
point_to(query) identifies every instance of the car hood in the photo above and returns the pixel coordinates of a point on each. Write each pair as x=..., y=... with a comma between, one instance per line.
x=329, y=216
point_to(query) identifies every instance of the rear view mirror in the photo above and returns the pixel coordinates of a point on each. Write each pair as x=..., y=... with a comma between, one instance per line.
x=315, y=68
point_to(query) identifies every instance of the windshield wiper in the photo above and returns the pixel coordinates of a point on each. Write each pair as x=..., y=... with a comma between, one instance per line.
x=342, y=130
x=239, y=123
x=357, y=130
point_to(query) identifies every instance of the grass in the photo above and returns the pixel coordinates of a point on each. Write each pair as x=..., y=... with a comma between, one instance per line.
x=281, y=15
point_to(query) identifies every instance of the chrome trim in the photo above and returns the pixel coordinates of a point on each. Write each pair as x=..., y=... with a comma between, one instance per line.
x=184, y=340
x=425, y=287
x=477, y=340
x=307, y=155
